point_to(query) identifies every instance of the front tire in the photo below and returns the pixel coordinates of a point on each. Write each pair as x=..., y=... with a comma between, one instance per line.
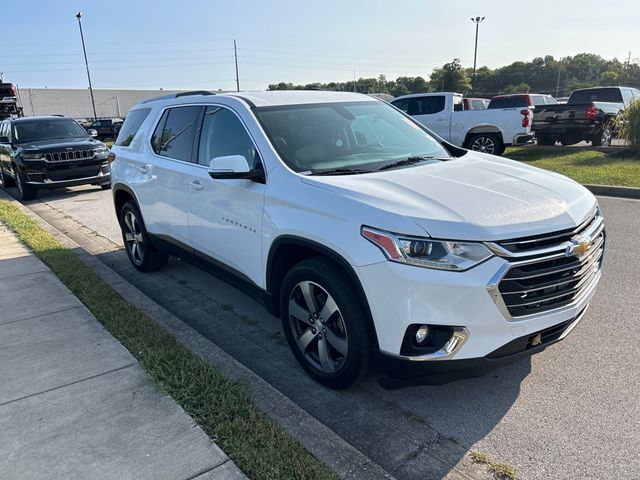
x=324, y=323
x=142, y=254
x=5, y=180
x=25, y=191
x=486, y=143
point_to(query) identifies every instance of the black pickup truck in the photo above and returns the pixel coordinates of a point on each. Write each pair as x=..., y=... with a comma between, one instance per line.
x=587, y=115
x=50, y=152
x=106, y=128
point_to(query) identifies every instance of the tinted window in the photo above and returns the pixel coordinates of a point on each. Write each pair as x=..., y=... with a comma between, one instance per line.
x=174, y=135
x=426, y=105
x=49, y=129
x=596, y=95
x=401, y=104
x=224, y=134
x=509, y=102
x=131, y=126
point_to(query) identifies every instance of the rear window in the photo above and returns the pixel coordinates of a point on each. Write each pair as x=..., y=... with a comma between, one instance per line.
x=596, y=95
x=509, y=102
x=131, y=126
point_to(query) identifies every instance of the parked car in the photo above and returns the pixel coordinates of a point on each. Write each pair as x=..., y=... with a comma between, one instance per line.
x=9, y=101
x=521, y=100
x=482, y=130
x=106, y=127
x=50, y=152
x=588, y=115
x=475, y=103
x=373, y=240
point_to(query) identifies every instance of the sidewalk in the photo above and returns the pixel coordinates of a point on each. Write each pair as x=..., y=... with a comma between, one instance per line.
x=74, y=403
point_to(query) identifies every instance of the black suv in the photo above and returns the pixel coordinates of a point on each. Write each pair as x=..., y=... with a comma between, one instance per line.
x=106, y=128
x=50, y=152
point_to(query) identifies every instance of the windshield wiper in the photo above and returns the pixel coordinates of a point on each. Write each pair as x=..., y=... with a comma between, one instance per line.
x=408, y=161
x=342, y=171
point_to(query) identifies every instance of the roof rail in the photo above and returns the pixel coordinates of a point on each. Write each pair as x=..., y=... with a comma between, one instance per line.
x=177, y=95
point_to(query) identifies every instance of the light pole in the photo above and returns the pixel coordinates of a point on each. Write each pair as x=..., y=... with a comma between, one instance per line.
x=477, y=21
x=86, y=62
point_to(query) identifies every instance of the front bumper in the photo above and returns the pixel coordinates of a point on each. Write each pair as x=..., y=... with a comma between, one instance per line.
x=100, y=179
x=397, y=372
x=45, y=174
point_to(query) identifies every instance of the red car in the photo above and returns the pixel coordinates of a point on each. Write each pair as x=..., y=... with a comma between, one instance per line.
x=521, y=100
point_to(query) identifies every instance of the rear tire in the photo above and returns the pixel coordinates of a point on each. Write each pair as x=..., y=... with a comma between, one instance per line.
x=324, y=323
x=486, y=143
x=546, y=141
x=603, y=139
x=141, y=252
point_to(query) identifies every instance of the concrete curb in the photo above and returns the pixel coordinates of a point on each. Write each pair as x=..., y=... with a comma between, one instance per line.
x=318, y=439
x=612, y=191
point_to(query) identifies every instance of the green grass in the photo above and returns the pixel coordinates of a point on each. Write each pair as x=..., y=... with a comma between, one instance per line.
x=257, y=444
x=501, y=471
x=584, y=165
x=109, y=142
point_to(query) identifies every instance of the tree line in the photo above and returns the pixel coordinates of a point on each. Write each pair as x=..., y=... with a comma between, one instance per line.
x=548, y=75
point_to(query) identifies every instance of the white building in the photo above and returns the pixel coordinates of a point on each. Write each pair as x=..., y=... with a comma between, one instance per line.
x=76, y=103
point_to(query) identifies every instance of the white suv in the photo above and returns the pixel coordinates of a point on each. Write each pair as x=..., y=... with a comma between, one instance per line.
x=373, y=241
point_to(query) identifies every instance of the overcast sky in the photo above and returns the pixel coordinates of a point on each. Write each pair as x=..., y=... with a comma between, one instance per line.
x=189, y=44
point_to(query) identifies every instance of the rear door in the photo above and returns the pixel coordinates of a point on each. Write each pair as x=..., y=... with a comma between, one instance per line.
x=162, y=182
x=431, y=111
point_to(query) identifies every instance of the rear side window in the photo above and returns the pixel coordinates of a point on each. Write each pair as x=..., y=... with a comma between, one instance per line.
x=131, y=126
x=509, y=102
x=426, y=105
x=596, y=95
x=478, y=104
x=174, y=134
x=402, y=104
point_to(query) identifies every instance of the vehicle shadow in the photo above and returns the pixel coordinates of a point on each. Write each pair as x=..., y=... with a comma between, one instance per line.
x=413, y=433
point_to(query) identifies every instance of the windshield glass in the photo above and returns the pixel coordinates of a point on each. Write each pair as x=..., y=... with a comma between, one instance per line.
x=49, y=129
x=356, y=135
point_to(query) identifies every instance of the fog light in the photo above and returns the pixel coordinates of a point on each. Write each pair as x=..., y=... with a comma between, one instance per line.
x=421, y=334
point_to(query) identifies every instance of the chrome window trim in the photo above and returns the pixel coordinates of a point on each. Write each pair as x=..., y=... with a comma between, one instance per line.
x=454, y=344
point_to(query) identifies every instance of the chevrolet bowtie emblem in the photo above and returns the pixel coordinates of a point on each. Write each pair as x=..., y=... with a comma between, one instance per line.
x=578, y=247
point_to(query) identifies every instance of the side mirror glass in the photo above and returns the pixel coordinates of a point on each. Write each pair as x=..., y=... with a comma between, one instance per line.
x=93, y=133
x=234, y=167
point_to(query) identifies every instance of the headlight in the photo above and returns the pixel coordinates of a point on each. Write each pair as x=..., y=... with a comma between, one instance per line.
x=32, y=156
x=101, y=149
x=426, y=252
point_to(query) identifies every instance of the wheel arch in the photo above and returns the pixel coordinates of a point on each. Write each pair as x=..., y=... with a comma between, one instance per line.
x=480, y=129
x=288, y=250
x=121, y=195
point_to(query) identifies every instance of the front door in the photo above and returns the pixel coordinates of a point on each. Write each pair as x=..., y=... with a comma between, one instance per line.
x=431, y=112
x=225, y=216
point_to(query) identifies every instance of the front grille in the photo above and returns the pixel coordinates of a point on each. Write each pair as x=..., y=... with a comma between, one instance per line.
x=69, y=155
x=552, y=281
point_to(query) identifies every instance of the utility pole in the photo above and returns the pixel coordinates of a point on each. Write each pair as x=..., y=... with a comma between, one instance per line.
x=354, y=81
x=558, y=83
x=477, y=21
x=235, y=54
x=86, y=63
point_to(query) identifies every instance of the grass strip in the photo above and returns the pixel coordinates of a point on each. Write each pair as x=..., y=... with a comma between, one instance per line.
x=583, y=165
x=257, y=444
x=500, y=471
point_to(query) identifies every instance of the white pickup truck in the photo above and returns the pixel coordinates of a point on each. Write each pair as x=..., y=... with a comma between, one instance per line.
x=488, y=131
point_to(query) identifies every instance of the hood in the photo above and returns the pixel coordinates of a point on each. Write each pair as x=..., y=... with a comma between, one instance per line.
x=474, y=197
x=61, y=143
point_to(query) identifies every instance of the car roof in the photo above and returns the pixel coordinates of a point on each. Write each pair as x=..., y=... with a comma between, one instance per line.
x=41, y=117
x=426, y=94
x=265, y=98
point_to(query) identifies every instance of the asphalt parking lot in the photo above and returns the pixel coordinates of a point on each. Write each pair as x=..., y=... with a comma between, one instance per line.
x=570, y=412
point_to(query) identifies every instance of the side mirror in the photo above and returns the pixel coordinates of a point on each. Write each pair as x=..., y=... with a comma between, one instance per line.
x=234, y=167
x=93, y=133
x=4, y=140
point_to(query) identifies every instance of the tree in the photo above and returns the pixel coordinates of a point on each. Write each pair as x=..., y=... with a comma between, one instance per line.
x=520, y=88
x=451, y=77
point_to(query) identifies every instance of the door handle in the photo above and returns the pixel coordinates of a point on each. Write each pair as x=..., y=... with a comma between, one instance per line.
x=143, y=169
x=195, y=185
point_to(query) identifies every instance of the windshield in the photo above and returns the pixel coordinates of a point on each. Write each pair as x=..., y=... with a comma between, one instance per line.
x=49, y=129
x=358, y=136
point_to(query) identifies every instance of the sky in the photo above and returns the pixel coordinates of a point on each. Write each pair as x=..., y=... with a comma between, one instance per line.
x=188, y=44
